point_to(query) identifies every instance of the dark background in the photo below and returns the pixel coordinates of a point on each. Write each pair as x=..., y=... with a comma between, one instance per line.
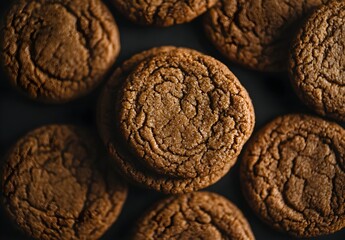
x=272, y=96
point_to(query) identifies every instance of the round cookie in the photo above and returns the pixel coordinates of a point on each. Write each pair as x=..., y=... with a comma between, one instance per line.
x=254, y=33
x=208, y=119
x=293, y=175
x=55, y=51
x=199, y=215
x=163, y=13
x=131, y=166
x=317, y=61
x=55, y=185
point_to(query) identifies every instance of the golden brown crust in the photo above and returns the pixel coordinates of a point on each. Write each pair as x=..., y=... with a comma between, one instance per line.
x=55, y=51
x=293, y=173
x=55, y=185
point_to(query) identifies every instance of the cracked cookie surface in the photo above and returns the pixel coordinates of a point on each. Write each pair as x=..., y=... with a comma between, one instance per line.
x=199, y=215
x=254, y=33
x=57, y=50
x=163, y=12
x=317, y=61
x=55, y=185
x=131, y=166
x=185, y=114
x=293, y=175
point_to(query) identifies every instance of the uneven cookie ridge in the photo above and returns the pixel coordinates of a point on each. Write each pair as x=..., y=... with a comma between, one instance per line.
x=317, y=61
x=55, y=186
x=163, y=13
x=185, y=114
x=55, y=51
x=130, y=165
x=256, y=34
x=199, y=215
x=292, y=175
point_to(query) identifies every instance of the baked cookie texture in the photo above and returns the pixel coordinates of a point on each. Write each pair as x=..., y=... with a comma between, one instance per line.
x=163, y=13
x=174, y=119
x=57, y=50
x=317, y=61
x=199, y=215
x=56, y=185
x=256, y=34
x=293, y=174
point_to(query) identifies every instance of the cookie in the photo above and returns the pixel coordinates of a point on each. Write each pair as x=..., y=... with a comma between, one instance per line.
x=199, y=215
x=163, y=13
x=56, y=185
x=208, y=120
x=293, y=175
x=317, y=61
x=256, y=34
x=55, y=51
x=128, y=158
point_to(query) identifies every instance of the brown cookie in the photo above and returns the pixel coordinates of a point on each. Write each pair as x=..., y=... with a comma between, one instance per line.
x=317, y=61
x=185, y=114
x=55, y=51
x=293, y=175
x=163, y=13
x=55, y=185
x=199, y=215
x=254, y=33
x=132, y=166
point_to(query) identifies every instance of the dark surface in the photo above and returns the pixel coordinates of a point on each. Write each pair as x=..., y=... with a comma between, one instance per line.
x=272, y=95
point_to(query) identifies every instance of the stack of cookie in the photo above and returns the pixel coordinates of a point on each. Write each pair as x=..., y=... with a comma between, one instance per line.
x=175, y=120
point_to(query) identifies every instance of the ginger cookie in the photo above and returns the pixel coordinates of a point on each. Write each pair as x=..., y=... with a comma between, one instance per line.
x=55, y=51
x=163, y=13
x=185, y=114
x=256, y=34
x=210, y=165
x=199, y=215
x=293, y=175
x=317, y=61
x=56, y=185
